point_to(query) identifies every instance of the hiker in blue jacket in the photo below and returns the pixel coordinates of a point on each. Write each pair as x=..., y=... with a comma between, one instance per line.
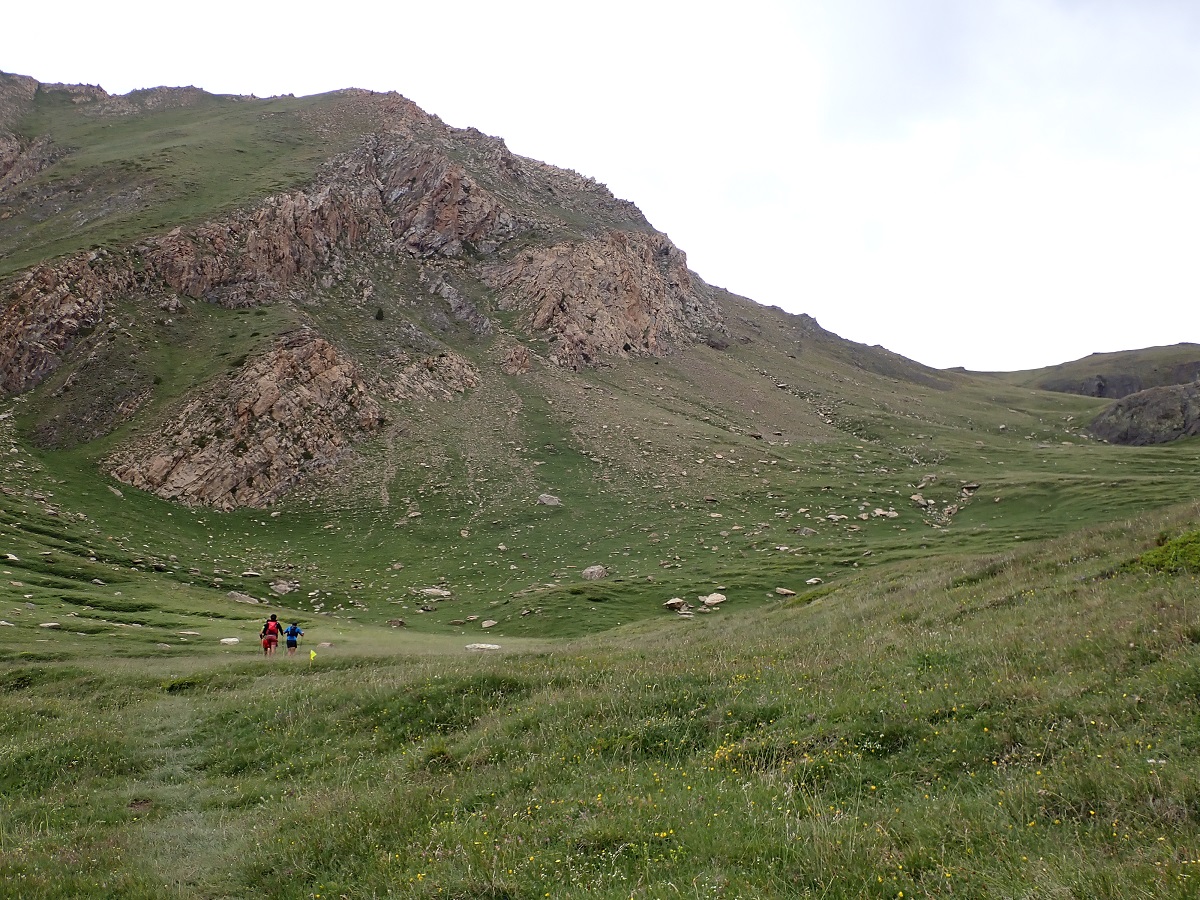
x=292, y=635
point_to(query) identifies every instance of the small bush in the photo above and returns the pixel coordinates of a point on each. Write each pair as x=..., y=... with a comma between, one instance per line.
x=1176, y=556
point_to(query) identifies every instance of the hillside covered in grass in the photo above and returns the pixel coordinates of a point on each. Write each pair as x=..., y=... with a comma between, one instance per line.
x=1021, y=723
x=331, y=359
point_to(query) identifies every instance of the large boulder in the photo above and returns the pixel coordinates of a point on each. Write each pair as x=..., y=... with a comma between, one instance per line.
x=1153, y=416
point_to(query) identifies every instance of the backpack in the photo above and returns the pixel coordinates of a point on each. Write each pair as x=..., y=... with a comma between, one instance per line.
x=272, y=627
x=292, y=632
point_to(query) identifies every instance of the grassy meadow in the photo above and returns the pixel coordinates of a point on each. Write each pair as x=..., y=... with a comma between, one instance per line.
x=1017, y=724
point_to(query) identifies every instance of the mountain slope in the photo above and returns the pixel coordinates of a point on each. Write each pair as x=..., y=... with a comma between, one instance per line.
x=406, y=346
x=1114, y=375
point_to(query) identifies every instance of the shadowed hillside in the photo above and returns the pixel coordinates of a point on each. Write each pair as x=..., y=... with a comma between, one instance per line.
x=1114, y=375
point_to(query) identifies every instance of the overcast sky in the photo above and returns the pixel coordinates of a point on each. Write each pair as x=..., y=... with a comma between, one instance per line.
x=1000, y=184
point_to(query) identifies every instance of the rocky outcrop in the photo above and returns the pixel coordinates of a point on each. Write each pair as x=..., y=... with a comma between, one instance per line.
x=16, y=93
x=46, y=309
x=405, y=197
x=1153, y=416
x=293, y=411
x=623, y=294
x=439, y=376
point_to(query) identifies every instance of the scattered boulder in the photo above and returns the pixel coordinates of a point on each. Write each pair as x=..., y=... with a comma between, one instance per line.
x=50, y=625
x=483, y=646
x=230, y=640
x=488, y=623
x=439, y=593
x=712, y=599
x=593, y=573
x=397, y=623
x=325, y=644
x=548, y=500
x=784, y=592
x=676, y=604
x=284, y=587
x=517, y=361
x=239, y=597
x=815, y=581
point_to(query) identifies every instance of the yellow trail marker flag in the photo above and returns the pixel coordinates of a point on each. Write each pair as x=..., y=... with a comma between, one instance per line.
x=312, y=654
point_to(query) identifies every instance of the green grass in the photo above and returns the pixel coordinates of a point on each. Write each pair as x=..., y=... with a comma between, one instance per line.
x=1014, y=723
x=122, y=176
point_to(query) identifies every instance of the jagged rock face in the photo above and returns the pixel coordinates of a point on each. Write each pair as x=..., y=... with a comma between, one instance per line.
x=626, y=293
x=1153, y=416
x=433, y=204
x=45, y=310
x=291, y=412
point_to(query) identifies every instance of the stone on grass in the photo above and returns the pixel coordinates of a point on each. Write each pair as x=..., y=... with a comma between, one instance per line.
x=483, y=646
x=50, y=625
x=487, y=623
x=548, y=500
x=591, y=573
x=784, y=592
x=230, y=640
x=815, y=581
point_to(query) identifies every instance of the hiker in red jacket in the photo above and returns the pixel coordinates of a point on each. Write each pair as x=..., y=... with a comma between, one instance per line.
x=270, y=635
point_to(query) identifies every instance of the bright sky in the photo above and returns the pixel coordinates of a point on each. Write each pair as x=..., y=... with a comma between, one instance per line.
x=1000, y=184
